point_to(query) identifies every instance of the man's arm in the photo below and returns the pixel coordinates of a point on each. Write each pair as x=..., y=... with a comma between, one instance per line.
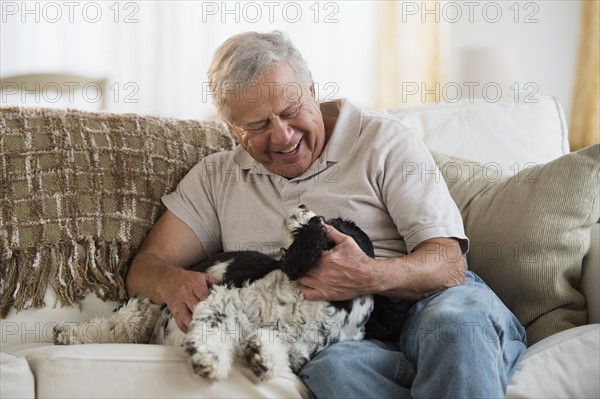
x=345, y=271
x=158, y=273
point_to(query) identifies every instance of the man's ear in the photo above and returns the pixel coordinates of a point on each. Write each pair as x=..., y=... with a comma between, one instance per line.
x=236, y=132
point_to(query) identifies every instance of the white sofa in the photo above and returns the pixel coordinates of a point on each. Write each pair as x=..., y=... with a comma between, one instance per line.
x=504, y=137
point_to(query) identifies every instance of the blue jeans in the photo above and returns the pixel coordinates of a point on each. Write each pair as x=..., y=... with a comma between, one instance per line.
x=460, y=343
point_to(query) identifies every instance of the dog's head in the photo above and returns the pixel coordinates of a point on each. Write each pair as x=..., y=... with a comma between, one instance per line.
x=296, y=219
x=306, y=239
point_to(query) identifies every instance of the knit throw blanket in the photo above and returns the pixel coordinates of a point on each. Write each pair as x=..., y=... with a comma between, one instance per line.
x=78, y=193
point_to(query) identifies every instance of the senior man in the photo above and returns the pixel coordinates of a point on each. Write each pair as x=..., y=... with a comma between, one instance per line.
x=459, y=339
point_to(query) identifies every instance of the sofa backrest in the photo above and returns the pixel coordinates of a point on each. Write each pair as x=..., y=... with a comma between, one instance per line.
x=127, y=151
x=511, y=132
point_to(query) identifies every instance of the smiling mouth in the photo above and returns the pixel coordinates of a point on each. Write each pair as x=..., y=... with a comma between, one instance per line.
x=290, y=150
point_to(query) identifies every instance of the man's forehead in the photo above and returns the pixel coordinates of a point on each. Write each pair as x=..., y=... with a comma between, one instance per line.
x=265, y=91
x=279, y=80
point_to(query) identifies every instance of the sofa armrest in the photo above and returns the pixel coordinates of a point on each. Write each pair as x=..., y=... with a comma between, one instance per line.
x=590, y=278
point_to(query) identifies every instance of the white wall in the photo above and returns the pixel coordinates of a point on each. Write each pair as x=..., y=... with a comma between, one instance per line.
x=165, y=54
x=155, y=54
x=543, y=39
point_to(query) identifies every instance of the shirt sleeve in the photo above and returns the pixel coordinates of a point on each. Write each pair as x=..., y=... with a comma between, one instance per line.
x=193, y=203
x=416, y=194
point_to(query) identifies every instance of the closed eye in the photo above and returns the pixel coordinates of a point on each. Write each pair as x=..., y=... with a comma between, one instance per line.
x=262, y=127
x=291, y=114
x=257, y=129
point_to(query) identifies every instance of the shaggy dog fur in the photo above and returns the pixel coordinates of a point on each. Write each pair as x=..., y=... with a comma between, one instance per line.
x=257, y=312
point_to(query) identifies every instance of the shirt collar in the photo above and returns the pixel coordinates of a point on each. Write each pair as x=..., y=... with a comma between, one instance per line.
x=346, y=131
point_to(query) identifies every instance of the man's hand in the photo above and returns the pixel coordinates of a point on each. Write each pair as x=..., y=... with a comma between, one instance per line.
x=342, y=273
x=346, y=272
x=182, y=293
x=159, y=273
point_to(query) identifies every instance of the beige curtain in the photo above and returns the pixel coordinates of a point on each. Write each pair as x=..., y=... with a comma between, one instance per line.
x=585, y=113
x=410, y=58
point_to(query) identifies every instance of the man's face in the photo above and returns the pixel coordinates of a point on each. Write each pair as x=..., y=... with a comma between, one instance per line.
x=278, y=122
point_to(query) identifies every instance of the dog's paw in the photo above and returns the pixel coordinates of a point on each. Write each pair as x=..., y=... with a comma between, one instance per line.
x=255, y=358
x=66, y=334
x=207, y=362
x=266, y=359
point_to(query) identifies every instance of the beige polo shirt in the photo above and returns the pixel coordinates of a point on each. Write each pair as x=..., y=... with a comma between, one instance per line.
x=373, y=170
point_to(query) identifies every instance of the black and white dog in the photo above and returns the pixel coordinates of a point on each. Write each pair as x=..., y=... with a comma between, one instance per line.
x=257, y=311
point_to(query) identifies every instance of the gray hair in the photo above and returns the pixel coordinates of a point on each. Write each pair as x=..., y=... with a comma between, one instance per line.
x=243, y=58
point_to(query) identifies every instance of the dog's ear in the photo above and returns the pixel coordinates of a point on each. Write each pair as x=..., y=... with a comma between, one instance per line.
x=351, y=229
x=310, y=240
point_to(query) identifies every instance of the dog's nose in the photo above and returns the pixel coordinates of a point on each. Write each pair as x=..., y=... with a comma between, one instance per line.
x=302, y=206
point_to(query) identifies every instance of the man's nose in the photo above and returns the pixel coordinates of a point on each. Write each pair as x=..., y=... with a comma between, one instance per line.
x=282, y=132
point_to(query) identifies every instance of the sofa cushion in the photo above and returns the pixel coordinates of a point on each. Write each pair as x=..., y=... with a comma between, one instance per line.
x=34, y=325
x=17, y=380
x=141, y=371
x=566, y=365
x=529, y=233
x=80, y=191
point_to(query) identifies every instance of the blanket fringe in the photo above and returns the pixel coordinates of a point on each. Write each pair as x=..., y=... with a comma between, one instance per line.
x=73, y=269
